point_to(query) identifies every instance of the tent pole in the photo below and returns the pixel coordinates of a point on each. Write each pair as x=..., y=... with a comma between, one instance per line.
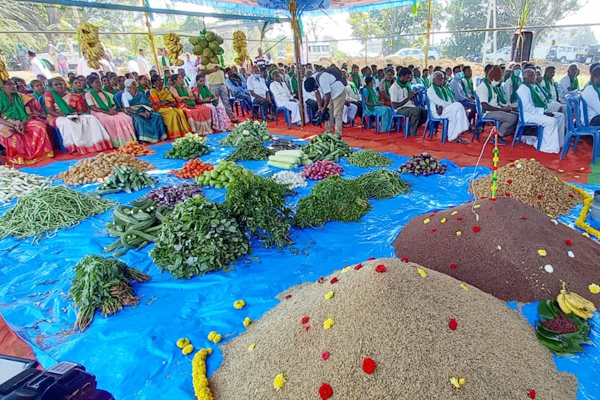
x=487, y=33
x=428, y=34
x=297, y=45
x=151, y=37
x=495, y=14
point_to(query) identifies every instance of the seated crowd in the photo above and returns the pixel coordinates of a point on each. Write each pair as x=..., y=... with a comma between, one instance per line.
x=103, y=111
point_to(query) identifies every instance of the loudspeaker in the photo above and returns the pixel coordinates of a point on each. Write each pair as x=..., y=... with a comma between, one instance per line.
x=521, y=46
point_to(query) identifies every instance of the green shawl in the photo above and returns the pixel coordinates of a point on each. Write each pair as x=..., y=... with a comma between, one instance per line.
x=294, y=81
x=113, y=91
x=61, y=103
x=355, y=78
x=12, y=110
x=373, y=97
x=444, y=92
x=387, y=85
x=497, y=89
x=549, y=86
x=182, y=91
x=426, y=81
x=166, y=82
x=467, y=84
x=574, y=83
x=353, y=87
x=516, y=82
x=101, y=104
x=407, y=85
x=538, y=101
x=205, y=93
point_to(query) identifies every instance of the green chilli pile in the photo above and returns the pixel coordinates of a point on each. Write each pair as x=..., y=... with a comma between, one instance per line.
x=48, y=209
x=102, y=284
x=327, y=147
x=332, y=199
x=383, y=184
x=369, y=158
x=249, y=149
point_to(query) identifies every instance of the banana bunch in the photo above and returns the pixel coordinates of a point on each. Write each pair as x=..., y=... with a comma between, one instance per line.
x=175, y=48
x=241, y=46
x=3, y=74
x=570, y=302
x=90, y=43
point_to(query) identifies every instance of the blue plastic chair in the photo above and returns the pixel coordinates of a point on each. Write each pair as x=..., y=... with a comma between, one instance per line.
x=402, y=121
x=483, y=121
x=366, y=118
x=236, y=104
x=286, y=115
x=575, y=132
x=259, y=108
x=433, y=122
x=521, y=127
x=56, y=136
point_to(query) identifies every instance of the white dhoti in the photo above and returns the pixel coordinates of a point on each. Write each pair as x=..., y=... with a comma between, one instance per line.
x=85, y=134
x=457, y=120
x=350, y=113
x=294, y=108
x=553, y=136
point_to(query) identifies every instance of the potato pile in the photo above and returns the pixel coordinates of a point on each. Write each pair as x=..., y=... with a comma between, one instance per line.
x=208, y=46
x=93, y=169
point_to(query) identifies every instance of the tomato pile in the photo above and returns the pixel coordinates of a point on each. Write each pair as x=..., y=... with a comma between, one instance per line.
x=193, y=168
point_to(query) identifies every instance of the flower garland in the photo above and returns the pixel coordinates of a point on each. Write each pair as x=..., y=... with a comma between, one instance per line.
x=199, y=378
x=587, y=203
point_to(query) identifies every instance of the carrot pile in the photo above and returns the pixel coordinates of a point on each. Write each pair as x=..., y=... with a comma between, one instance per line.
x=135, y=149
x=193, y=168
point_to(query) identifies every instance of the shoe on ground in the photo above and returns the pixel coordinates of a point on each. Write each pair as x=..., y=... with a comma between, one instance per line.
x=501, y=141
x=461, y=140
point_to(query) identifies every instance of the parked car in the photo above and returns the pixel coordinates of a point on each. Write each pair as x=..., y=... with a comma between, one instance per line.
x=502, y=55
x=69, y=49
x=319, y=52
x=590, y=55
x=417, y=53
x=562, y=54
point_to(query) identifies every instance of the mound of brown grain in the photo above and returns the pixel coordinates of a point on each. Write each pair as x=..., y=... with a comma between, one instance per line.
x=533, y=184
x=400, y=320
x=91, y=169
x=505, y=257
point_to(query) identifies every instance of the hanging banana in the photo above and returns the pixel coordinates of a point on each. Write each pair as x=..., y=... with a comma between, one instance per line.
x=90, y=43
x=3, y=73
x=175, y=48
x=240, y=45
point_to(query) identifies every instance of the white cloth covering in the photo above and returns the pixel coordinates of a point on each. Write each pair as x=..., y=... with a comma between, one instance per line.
x=454, y=112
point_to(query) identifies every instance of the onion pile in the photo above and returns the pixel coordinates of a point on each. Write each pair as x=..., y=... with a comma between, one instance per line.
x=321, y=170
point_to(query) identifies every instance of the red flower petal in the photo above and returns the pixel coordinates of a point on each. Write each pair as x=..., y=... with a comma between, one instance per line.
x=453, y=324
x=289, y=296
x=509, y=181
x=532, y=394
x=404, y=259
x=512, y=165
x=325, y=356
x=507, y=194
x=368, y=365
x=432, y=230
x=476, y=229
x=305, y=320
x=321, y=280
x=452, y=266
x=482, y=197
x=358, y=266
x=435, y=211
x=371, y=258
x=459, y=218
x=569, y=242
x=333, y=280
x=523, y=217
x=380, y=268
x=325, y=391
x=539, y=196
x=307, y=328
x=571, y=195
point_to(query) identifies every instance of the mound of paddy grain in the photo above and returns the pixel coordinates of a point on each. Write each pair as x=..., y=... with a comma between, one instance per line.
x=400, y=320
x=506, y=256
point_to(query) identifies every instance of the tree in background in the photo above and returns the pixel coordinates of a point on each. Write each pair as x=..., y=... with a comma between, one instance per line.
x=365, y=25
x=582, y=36
x=312, y=28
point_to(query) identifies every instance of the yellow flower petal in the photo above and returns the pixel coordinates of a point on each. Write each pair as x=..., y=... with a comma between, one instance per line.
x=542, y=252
x=211, y=335
x=454, y=212
x=345, y=269
x=328, y=323
x=455, y=383
x=329, y=295
x=279, y=382
x=462, y=381
x=422, y=272
x=595, y=289
x=187, y=349
x=464, y=287
x=251, y=347
x=477, y=206
x=246, y=322
x=458, y=233
x=426, y=221
x=443, y=221
x=217, y=338
x=181, y=343
x=239, y=304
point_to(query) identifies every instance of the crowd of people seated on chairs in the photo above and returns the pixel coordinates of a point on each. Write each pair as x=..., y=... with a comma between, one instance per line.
x=103, y=111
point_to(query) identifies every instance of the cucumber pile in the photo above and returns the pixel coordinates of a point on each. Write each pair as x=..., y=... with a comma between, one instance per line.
x=289, y=159
x=222, y=175
x=128, y=179
x=327, y=147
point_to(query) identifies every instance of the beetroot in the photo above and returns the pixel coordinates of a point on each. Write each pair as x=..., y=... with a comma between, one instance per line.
x=321, y=170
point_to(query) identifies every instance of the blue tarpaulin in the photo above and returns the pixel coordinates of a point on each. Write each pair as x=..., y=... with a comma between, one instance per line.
x=133, y=353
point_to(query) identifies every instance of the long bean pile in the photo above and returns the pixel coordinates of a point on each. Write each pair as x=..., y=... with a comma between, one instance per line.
x=383, y=184
x=49, y=209
x=369, y=158
x=249, y=149
x=14, y=183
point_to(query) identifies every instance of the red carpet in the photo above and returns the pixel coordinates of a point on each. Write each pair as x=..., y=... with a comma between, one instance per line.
x=11, y=344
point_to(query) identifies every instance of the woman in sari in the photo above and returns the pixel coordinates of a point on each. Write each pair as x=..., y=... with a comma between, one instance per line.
x=220, y=119
x=198, y=116
x=80, y=132
x=118, y=124
x=163, y=102
x=23, y=132
x=107, y=85
x=374, y=105
x=144, y=85
x=148, y=124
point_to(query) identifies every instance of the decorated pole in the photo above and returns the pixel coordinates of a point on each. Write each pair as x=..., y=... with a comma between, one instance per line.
x=297, y=57
x=429, y=9
x=151, y=37
x=495, y=159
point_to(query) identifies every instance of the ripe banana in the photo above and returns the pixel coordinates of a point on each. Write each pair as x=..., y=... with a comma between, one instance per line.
x=570, y=302
x=90, y=43
x=240, y=45
x=174, y=47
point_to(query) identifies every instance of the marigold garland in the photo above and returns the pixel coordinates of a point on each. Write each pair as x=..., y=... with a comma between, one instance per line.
x=587, y=203
x=239, y=304
x=183, y=342
x=247, y=322
x=199, y=378
x=187, y=349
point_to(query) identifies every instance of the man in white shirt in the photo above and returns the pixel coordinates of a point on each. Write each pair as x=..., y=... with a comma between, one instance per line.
x=535, y=111
x=38, y=66
x=132, y=66
x=402, y=96
x=511, y=85
x=190, y=71
x=569, y=83
x=494, y=106
x=283, y=97
x=310, y=99
x=591, y=95
x=350, y=107
x=331, y=96
x=443, y=106
x=259, y=92
x=83, y=67
x=143, y=64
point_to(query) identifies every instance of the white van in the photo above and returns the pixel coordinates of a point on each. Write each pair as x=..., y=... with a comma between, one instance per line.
x=562, y=54
x=70, y=49
x=319, y=52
